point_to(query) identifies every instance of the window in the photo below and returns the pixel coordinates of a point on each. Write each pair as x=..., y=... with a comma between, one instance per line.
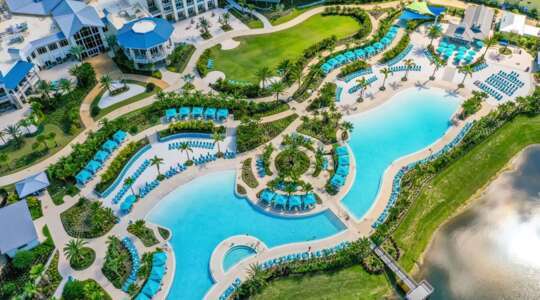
x=52, y=47
x=33, y=54
x=64, y=43
x=41, y=50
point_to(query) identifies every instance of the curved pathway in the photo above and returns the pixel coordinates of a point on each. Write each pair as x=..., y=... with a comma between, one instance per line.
x=264, y=19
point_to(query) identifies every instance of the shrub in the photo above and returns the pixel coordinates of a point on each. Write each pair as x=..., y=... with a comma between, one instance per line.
x=353, y=67
x=472, y=105
x=114, y=169
x=323, y=127
x=88, y=256
x=23, y=259
x=401, y=45
x=252, y=134
x=117, y=265
x=190, y=126
x=34, y=205
x=291, y=162
x=164, y=233
x=202, y=63
x=87, y=219
x=247, y=174
x=240, y=189
x=95, y=110
x=156, y=74
x=150, y=86
x=52, y=278
x=73, y=289
x=180, y=57
x=145, y=234
x=326, y=97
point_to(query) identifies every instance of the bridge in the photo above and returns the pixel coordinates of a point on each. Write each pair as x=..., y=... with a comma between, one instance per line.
x=417, y=291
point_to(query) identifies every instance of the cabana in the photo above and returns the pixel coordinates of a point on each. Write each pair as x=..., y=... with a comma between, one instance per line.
x=142, y=296
x=280, y=200
x=309, y=200
x=83, y=177
x=333, y=62
x=110, y=146
x=119, y=136
x=170, y=114
x=370, y=50
x=150, y=288
x=385, y=41
x=101, y=156
x=479, y=44
x=295, y=201
x=342, y=170
x=210, y=113
x=222, y=114
x=184, y=112
x=157, y=273
x=341, y=59
x=126, y=206
x=197, y=112
x=267, y=196
x=32, y=185
x=379, y=46
x=337, y=180
x=343, y=160
x=159, y=259
x=360, y=53
x=93, y=166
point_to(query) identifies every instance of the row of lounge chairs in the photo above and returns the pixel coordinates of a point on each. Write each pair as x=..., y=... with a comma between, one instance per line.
x=405, y=68
x=229, y=154
x=230, y=289
x=127, y=204
x=400, y=56
x=339, y=90
x=94, y=165
x=290, y=202
x=341, y=167
x=210, y=64
x=490, y=91
x=192, y=144
x=430, y=57
x=396, y=183
x=357, y=87
x=359, y=53
x=147, y=188
x=135, y=263
x=175, y=170
x=502, y=84
x=135, y=175
x=239, y=82
x=196, y=112
x=304, y=256
x=479, y=67
x=153, y=284
x=204, y=159
x=358, y=73
x=513, y=77
x=259, y=163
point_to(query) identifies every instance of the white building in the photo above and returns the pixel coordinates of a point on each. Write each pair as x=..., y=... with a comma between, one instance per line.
x=178, y=9
x=16, y=85
x=514, y=23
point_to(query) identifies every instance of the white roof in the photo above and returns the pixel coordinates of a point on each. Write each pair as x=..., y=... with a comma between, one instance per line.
x=511, y=22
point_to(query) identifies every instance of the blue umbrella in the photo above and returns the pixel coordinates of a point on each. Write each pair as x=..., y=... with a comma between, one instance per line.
x=150, y=288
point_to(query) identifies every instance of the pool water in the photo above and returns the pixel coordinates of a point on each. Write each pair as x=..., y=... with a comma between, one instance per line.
x=205, y=212
x=411, y=121
x=235, y=255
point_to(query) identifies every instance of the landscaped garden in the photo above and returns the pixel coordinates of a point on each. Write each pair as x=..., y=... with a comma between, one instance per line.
x=88, y=219
x=84, y=290
x=292, y=162
x=80, y=257
x=117, y=265
x=252, y=133
x=145, y=234
x=256, y=52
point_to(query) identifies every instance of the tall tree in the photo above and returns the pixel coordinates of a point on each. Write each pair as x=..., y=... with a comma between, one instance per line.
x=409, y=63
x=106, y=82
x=65, y=85
x=73, y=249
x=433, y=33
x=263, y=74
x=129, y=181
x=156, y=161
x=77, y=51
x=466, y=71
x=184, y=147
x=277, y=88
x=363, y=84
x=489, y=42
x=386, y=72
x=217, y=137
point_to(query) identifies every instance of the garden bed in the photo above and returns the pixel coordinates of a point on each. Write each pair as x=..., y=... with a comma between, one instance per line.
x=87, y=219
x=252, y=134
x=180, y=57
x=292, y=162
x=117, y=265
x=88, y=255
x=145, y=234
x=51, y=279
x=247, y=174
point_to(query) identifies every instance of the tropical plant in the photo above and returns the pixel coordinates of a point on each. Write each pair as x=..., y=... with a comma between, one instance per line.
x=106, y=82
x=386, y=72
x=26, y=123
x=409, y=63
x=204, y=25
x=363, y=84
x=129, y=181
x=466, y=70
x=44, y=88
x=184, y=147
x=73, y=250
x=77, y=51
x=489, y=42
x=156, y=161
x=436, y=67
x=346, y=127
x=433, y=33
x=14, y=131
x=65, y=85
x=277, y=88
x=263, y=74
x=217, y=137
x=3, y=136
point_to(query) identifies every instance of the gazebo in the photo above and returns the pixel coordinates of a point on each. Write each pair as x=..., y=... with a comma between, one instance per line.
x=197, y=112
x=83, y=177
x=101, y=156
x=170, y=114
x=119, y=136
x=184, y=112
x=110, y=146
x=222, y=114
x=210, y=113
x=32, y=185
x=93, y=166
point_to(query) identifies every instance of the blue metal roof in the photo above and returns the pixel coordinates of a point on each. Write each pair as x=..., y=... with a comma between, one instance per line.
x=128, y=38
x=17, y=226
x=32, y=184
x=16, y=74
x=71, y=16
x=32, y=7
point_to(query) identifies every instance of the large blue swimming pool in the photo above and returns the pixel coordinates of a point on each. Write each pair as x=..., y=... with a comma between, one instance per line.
x=410, y=121
x=205, y=211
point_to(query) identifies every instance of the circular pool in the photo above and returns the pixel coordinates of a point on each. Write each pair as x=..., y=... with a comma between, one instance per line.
x=235, y=255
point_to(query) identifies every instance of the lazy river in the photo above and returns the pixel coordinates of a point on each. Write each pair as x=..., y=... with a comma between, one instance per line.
x=410, y=121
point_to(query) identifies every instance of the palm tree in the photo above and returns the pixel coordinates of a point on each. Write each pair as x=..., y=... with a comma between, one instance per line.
x=307, y=187
x=433, y=33
x=466, y=70
x=26, y=124
x=489, y=42
x=106, y=82
x=437, y=66
x=30, y=290
x=65, y=85
x=409, y=63
x=139, y=226
x=277, y=88
x=73, y=249
x=284, y=67
x=296, y=74
x=15, y=133
x=205, y=25
x=44, y=88
x=156, y=161
x=184, y=147
x=93, y=291
x=42, y=140
x=129, y=182
x=346, y=126
x=289, y=189
x=263, y=74
x=3, y=136
x=363, y=84
x=77, y=52
x=386, y=72
x=217, y=137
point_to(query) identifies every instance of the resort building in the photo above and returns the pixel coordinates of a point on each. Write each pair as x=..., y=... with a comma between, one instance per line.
x=147, y=42
x=32, y=185
x=514, y=23
x=175, y=10
x=475, y=26
x=18, y=231
x=16, y=84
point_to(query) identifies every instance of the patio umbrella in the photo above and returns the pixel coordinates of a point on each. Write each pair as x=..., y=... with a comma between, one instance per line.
x=452, y=46
x=150, y=288
x=443, y=44
x=378, y=46
x=479, y=44
x=385, y=41
x=462, y=48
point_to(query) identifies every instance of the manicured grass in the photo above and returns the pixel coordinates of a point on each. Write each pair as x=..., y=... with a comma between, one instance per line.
x=248, y=19
x=268, y=50
x=88, y=254
x=453, y=187
x=350, y=283
x=103, y=112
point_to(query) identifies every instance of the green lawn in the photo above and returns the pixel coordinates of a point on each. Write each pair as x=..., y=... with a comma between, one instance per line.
x=454, y=186
x=350, y=283
x=295, y=12
x=248, y=19
x=269, y=50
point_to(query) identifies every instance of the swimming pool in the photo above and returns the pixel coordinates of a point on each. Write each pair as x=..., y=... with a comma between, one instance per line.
x=205, y=212
x=235, y=255
x=412, y=120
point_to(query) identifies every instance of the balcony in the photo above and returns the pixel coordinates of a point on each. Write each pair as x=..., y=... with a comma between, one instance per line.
x=141, y=59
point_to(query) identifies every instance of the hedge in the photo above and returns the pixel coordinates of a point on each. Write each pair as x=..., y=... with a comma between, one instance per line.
x=400, y=47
